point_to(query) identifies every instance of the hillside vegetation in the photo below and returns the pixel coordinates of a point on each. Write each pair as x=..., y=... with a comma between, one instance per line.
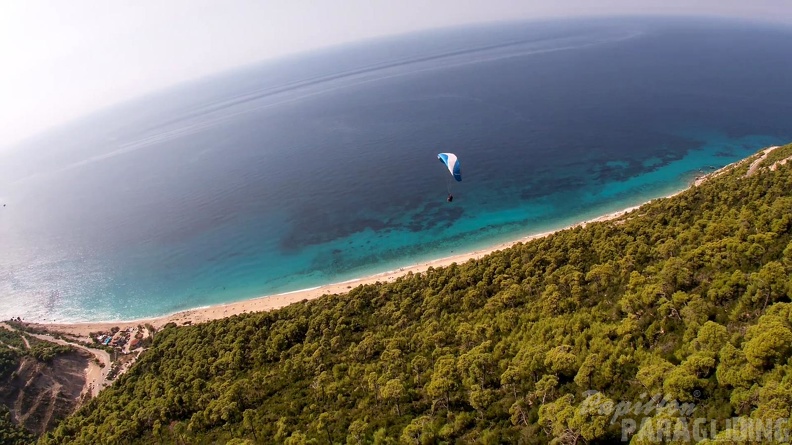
x=10, y=433
x=40, y=383
x=687, y=297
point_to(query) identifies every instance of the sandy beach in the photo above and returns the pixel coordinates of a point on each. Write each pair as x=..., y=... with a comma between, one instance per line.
x=270, y=302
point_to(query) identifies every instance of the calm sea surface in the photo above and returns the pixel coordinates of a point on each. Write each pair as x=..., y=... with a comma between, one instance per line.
x=322, y=167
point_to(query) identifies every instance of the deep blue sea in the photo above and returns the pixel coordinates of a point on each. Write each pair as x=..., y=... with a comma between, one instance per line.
x=321, y=167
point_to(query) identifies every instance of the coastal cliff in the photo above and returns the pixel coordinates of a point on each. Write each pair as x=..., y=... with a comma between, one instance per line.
x=40, y=384
x=688, y=298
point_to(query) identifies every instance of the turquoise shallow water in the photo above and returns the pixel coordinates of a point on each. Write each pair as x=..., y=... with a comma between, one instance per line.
x=322, y=167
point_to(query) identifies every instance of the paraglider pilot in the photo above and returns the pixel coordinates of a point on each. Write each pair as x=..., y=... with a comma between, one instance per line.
x=452, y=163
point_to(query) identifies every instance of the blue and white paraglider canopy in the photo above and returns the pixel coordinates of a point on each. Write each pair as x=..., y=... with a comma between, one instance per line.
x=451, y=161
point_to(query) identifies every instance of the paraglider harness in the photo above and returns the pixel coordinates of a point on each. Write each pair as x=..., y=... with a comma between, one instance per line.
x=450, y=197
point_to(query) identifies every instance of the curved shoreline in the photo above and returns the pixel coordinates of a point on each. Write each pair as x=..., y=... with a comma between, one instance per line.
x=276, y=301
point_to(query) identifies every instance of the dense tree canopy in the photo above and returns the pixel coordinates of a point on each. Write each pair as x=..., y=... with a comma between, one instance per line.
x=687, y=297
x=11, y=434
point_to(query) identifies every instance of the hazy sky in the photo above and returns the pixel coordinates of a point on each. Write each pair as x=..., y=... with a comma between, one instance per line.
x=62, y=59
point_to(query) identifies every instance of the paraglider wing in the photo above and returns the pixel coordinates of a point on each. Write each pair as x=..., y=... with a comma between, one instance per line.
x=451, y=161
